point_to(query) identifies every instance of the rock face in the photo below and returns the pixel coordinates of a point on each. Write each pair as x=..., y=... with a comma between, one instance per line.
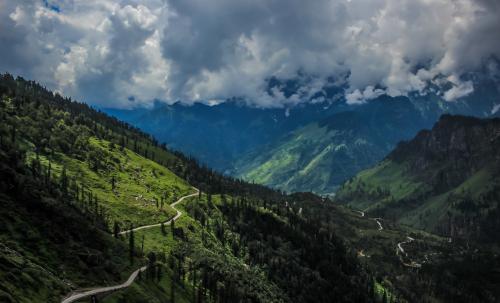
x=455, y=149
x=445, y=180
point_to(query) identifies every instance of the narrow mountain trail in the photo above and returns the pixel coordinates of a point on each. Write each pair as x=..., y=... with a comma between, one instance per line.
x=79, y=294
x=178, y=214
x=361, y=213
x=400, y=251
x=380, y=227
x=399, y=247
x=96, y=291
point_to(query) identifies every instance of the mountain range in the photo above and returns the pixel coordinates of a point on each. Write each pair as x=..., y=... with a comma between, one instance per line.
x=92, y=208
x=88, y=201
x=445, y=180
x=306, y=147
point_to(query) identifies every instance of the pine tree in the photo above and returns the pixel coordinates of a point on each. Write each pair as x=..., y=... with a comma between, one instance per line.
x=172, y=291
x=194, y=283
x=142, y=246
x=131, y=245
x=159, y=273
x=116, y=229
x=172, y=228
x=122, y=143
x=384, y=297
x=49, y=172
x=13, y=134
x=63, y=182
x=163, y=231
x=151, y=265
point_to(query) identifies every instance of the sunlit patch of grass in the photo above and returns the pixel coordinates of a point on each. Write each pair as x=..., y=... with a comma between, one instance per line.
x=139, y=183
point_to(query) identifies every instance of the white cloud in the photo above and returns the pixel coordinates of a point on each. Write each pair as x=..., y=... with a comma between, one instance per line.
x=360, y=97
x=495, y=109
x=130, y=52
x=459, y=90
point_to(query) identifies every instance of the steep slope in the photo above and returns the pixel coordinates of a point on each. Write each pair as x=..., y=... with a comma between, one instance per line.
x=64, y=186
x=320, y=156
x=74, y=181
x=277, y=138
x=444, y=180
x=213, y=134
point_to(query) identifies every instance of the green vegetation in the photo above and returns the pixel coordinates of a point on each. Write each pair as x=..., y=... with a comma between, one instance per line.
x=312, y=158
x=68, y=192
x=136, y=191
x=73, y=178
x=378, y=187
x=319, y=156
x=445, y=181
x=436, y=188
x=47, y=245
x=154, y=289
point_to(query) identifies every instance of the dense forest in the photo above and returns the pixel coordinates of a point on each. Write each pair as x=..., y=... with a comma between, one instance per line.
x=66, y=169
x=75, y=183
x=446, y=180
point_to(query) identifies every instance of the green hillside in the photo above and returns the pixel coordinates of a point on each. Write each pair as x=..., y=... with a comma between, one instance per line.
x=445, y=180
x=311, y=159
x=73, y=181
x=137, y=191
x=321, y=155
x=73, y=178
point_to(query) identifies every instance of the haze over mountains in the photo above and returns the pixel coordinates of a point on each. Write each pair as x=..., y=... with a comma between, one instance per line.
x=237, y=151
x=308, y=147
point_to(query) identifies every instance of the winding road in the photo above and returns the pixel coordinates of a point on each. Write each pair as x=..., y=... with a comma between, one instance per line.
x=399, y=246
x=380, y=227
x=362, y=214
x=79, y=294
x=177, y=215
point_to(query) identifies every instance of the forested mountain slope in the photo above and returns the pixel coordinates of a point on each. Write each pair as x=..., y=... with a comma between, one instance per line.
x=74, y=178
x=292, y=148
x=445, y=180
x=321, y=155
x=213, y=134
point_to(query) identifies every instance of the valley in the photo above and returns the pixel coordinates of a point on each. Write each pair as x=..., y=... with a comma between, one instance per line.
x=188, y=151
x=86, y=199
x=148, y=224
x=309, y=147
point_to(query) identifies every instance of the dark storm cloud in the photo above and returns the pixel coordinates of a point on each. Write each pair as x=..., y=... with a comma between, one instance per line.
x=129, y=53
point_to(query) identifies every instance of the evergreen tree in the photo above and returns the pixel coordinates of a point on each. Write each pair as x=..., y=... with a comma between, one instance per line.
x=116, y=229
x=384, y=297
x=151, y=268
x=159, y=273
x=142, y=245
x=172, y=228
x=131, y=245
x=163, y=231
x=172, y=291
x=13, y=134
x=63, y=182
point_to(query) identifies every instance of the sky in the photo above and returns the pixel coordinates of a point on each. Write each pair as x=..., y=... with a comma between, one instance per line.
x=133, y=53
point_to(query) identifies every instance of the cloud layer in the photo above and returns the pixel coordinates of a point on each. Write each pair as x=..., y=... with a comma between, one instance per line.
x=131, y=53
